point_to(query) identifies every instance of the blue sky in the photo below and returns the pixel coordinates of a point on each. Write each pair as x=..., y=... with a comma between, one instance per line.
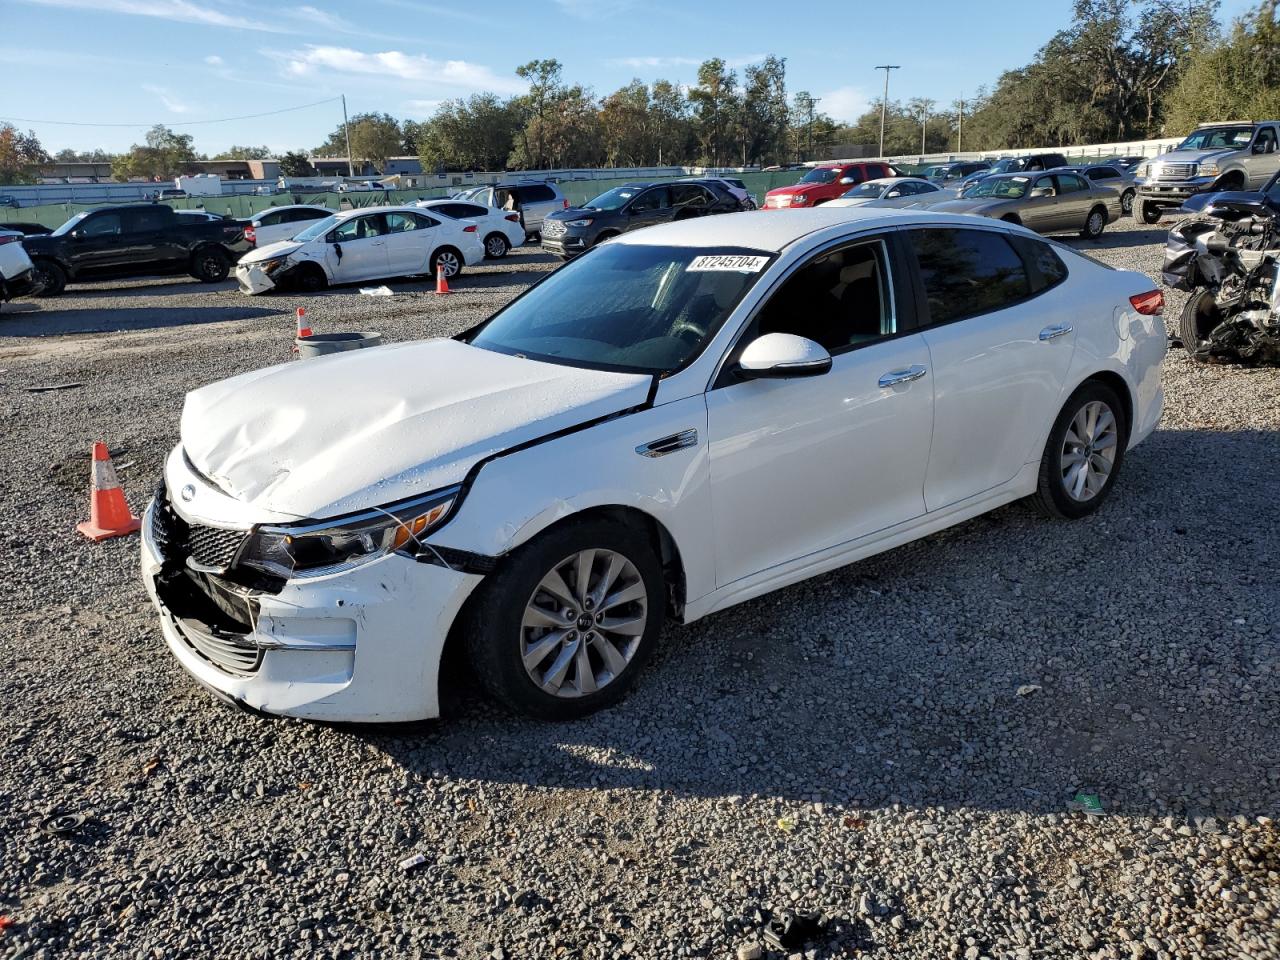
x=176, y=61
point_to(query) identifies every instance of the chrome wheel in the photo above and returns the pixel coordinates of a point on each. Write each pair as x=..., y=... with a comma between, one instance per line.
x=447, y=262
x=583, y=624
x=1089, y=451
x=1126, y=202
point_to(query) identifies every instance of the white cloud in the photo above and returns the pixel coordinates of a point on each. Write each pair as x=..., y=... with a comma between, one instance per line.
x=214, y=60
x=403, y=66
x=182, y=11
x=845, y=104
x=171, y=103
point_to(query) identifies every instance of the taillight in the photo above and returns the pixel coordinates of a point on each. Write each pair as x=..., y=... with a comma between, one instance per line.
x=469, y=229
x=10, y=239
x=513, y=217
x=250, y=235
x=1150, y=304
x=566, y=203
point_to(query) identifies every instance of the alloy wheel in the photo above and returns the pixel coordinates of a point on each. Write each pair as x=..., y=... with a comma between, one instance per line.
x=1096, y=223
x=1089, y=451
x=583, y=624
x=448, y=263
x=495, y=247
x=1126, y=202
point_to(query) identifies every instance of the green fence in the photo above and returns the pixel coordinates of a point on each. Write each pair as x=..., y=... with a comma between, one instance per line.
x=246, y=206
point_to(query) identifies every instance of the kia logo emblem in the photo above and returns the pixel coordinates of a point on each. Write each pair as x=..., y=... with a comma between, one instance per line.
x=187, y=493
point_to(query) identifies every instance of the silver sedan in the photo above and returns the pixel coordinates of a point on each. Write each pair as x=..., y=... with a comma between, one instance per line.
x=1057, y=201
x=887, y=192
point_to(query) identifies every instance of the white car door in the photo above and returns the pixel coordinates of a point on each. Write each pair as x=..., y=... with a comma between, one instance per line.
x=357, y=249
x=1000, y=338
x=798, y=465
x=410, y=240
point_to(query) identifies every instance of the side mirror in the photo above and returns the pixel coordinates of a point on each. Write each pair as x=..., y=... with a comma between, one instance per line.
x=77, y=234
x=1039, y=192
x=893, y=193
x=1259, y=147
x=782, y=355
x=847, y=180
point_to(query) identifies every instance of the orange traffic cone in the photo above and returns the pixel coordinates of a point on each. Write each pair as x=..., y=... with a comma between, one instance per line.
x=109, y=513
x=442, y=282
x=303, y=329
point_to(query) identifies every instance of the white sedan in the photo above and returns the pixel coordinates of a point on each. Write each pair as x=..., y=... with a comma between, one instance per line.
x=282, y=223
x=369, y=243
x=500, y=230
x=682, y=419
x=887, y=192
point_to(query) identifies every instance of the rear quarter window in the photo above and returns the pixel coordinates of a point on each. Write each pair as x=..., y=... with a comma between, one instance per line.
x=536, y=193
x=966, y=273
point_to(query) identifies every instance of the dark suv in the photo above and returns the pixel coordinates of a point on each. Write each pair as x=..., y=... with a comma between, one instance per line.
x=567, y=233
x=1032, y=163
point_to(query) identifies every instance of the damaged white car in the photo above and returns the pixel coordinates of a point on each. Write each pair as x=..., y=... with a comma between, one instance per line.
x=682, y=419
x=372, y=243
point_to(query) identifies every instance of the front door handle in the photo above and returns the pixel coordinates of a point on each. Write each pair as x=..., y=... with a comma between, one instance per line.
x=1055, y=331
x=912, y=373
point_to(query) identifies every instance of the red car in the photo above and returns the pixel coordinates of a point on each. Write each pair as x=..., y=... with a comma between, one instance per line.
x=825, y=183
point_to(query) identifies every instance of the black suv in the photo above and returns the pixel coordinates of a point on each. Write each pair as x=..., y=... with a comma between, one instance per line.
x=567, y=233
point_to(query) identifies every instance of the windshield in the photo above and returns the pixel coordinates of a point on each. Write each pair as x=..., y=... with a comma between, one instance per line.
x=1007, y=165
x=1218, y=137
x=317, y=229
x=69, y=225
x=820, y=175
x=865, y=191
x=627, y=307
x=1000, y=188
x=613, y=199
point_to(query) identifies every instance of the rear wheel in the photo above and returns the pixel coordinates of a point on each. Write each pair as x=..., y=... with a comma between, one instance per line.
x=1083, y=454
x=448, y=260
x=210, y=265
x=565, y=624
x=496, y=246
x=51, y=277
x=1199, y=316
x=1094, y=224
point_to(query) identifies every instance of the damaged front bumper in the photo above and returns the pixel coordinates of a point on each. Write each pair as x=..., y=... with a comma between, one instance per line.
x=361, y=644
x=253, y=278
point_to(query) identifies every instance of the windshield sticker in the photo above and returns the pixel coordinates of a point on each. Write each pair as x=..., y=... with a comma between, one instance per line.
x=731, y=263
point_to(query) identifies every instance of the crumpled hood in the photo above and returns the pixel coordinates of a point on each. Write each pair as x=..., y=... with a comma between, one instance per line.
x=1191, y=156
x=331, y=435
x=277, y=249
x=965, y=206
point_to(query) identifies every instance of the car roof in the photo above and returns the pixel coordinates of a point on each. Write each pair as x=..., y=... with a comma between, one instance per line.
x=886, y=181
x=773, y=232
x=384, y=208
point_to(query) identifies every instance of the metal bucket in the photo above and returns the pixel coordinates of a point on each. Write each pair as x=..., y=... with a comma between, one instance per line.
x=318, y=344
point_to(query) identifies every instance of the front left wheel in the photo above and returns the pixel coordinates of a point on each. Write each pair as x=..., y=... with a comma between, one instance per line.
x=565, y=624
x=1083, y=454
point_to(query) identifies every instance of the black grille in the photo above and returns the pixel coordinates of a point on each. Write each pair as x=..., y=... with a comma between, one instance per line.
x=219, y=648
x=177, y=540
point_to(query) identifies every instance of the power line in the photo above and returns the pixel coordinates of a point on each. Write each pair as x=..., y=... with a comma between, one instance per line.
x=184, y=123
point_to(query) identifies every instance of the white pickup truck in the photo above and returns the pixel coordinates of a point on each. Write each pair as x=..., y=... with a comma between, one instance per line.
x=1235, y=155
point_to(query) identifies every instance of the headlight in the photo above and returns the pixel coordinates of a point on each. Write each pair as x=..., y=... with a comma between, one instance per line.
x=274, y=264
x=584, y=222
x=284, y=551
x=799, y=197
x=1144, y=170
x=1209, y=168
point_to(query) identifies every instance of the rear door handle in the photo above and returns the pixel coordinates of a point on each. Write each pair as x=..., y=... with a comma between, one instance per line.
x=912, y=373
x=1055, y=331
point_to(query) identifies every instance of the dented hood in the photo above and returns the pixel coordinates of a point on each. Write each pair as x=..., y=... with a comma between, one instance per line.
x=336, y=434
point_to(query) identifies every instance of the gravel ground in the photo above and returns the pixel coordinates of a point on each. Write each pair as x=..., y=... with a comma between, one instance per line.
x=856, y=744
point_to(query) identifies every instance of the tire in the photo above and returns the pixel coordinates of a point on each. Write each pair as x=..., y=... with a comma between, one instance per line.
x=1060, y=491
x=496, y=246
x=53, y=277
x=1149, y=212
x=1199, y=316
x=514, y=613
x=1126, y=202
x=1012, y=218
x=449, y=259
x=310, y=278
x=1095, y=223
x=607, y=235
x=210, y=265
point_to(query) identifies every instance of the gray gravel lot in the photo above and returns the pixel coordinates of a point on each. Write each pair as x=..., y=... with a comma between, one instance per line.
x=854, y=744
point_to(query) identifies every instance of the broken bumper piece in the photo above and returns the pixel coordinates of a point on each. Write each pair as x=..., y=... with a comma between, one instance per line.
x=253, y=279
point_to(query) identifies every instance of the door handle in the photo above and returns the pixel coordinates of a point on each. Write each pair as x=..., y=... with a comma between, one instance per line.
x=1055, y=331
x=912, y=373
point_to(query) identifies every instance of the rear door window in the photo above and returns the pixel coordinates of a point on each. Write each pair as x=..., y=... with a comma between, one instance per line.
x=690, y=195
x=146, y=220
x=1070, y=183
x=535, y=193
x=968, y=272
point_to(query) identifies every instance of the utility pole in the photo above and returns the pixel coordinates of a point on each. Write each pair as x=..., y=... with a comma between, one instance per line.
x=809, y=102
x=884, y=104
x=346, y=130
x=925, y=107
x=960, y=127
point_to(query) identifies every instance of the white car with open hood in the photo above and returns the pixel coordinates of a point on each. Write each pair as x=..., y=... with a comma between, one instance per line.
x=684, y=418
x=370, y=243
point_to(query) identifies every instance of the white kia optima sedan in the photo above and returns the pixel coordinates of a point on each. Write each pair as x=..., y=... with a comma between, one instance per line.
x=369, y=243
x=684, y=418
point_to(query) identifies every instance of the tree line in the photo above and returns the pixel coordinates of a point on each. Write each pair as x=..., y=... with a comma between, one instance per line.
x=1121, y=70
